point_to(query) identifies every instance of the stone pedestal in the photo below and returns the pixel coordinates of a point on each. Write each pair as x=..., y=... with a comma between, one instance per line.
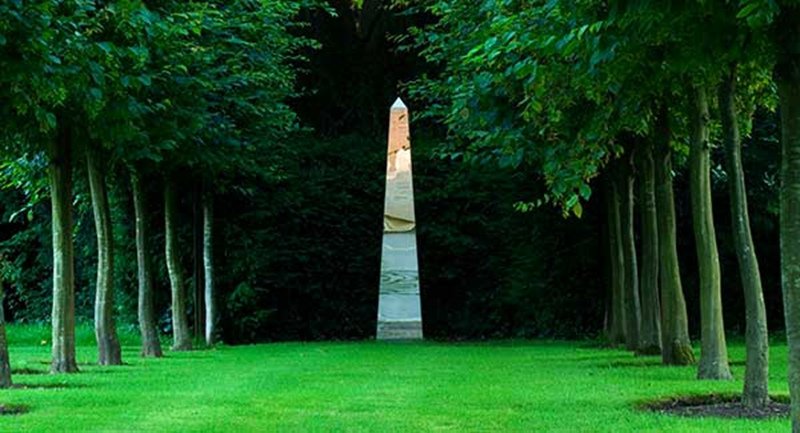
x=399, y=312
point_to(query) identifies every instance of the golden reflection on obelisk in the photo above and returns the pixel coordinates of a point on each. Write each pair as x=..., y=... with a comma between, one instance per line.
x=399, y=312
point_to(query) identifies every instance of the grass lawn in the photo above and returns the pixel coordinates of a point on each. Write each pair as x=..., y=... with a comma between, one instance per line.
x=365, y=386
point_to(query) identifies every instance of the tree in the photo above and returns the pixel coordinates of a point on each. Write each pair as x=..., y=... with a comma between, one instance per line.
x=648, y=282
x=5, y=364
x=34, y=88
x=108, y=347
x=151, y=346
x=182, y=337
x=633, y=317
x=60, y=154
x=714, y=354
x=786, y=34
x=212, y=318
x=617, y=309
x=570, y=83
x=676, y=345
x=52, y=88
x=756, y=381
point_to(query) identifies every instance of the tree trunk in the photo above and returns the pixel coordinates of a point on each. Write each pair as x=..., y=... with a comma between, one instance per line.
x=63, y=317
x=633, y=315
x=151, y=346
x=5, y=365
x=208, y=268
x=756, y=379
x=617, y=326
x=182, y=338
x=713, y=352
x=648, y=277
x=677, y=348
x=198, y=271
x=108, y=350
x=787, y=77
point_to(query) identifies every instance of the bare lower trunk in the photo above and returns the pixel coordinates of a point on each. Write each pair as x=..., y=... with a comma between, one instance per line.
x=617, y=327
x=714, y=353
x=63, y=317
x=677, y=348
x=5, y=365
x=756, y=379
x=648, y=276
x=108, y=350
x=182, y=338
x=151, y=346
x=787, y=76
x=208, y=268
x=633, y=315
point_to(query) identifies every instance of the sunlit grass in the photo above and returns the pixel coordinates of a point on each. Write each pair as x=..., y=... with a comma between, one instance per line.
x=365, y=387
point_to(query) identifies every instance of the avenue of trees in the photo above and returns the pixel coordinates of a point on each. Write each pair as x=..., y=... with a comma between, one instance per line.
x=144, y=93
x=614, y=90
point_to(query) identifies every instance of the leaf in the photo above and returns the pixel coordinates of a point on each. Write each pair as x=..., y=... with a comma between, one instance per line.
x=747, y=10
x=586, y=191
x=105, y=46
x=578, y=209
x=96, y=93
x=50, y=119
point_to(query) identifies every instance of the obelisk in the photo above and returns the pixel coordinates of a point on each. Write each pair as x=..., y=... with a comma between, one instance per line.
x=399, y=312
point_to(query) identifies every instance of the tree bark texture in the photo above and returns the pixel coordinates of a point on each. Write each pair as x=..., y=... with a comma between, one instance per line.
x=756, y=379
x=787, y=77
x=617, y=316
x=108, y=349
x=633, y=315
x=648, y=275
x=5, y=365
x=211, y=318
x=182, y=338
x=677, y=348
x=151, y=346
x=63, y=314
x=714, y=352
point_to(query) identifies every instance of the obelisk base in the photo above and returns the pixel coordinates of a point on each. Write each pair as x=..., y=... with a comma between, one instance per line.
x=400, y=330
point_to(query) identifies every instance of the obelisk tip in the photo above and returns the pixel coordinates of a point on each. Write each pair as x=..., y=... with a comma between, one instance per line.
x=399, y=105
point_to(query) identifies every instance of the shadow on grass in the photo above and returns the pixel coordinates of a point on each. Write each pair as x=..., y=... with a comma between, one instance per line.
x=727, y=406
x=635, y=363
x=13, y=409
x=48, y=386
x=27, y=371
x=651, y=362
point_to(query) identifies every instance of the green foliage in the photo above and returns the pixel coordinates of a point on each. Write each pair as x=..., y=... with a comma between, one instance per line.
x=556, y=86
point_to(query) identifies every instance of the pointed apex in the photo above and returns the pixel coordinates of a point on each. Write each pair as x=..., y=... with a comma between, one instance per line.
x=399, y=105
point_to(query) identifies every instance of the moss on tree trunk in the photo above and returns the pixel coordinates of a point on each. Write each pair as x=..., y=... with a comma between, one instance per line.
x=714, y=352
x=182, y=338
x=648, y=275
x=677, y=348
x=756, y=379
x=108, y=349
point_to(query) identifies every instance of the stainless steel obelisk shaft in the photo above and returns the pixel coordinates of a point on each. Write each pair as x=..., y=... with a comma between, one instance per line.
x=399, y=311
